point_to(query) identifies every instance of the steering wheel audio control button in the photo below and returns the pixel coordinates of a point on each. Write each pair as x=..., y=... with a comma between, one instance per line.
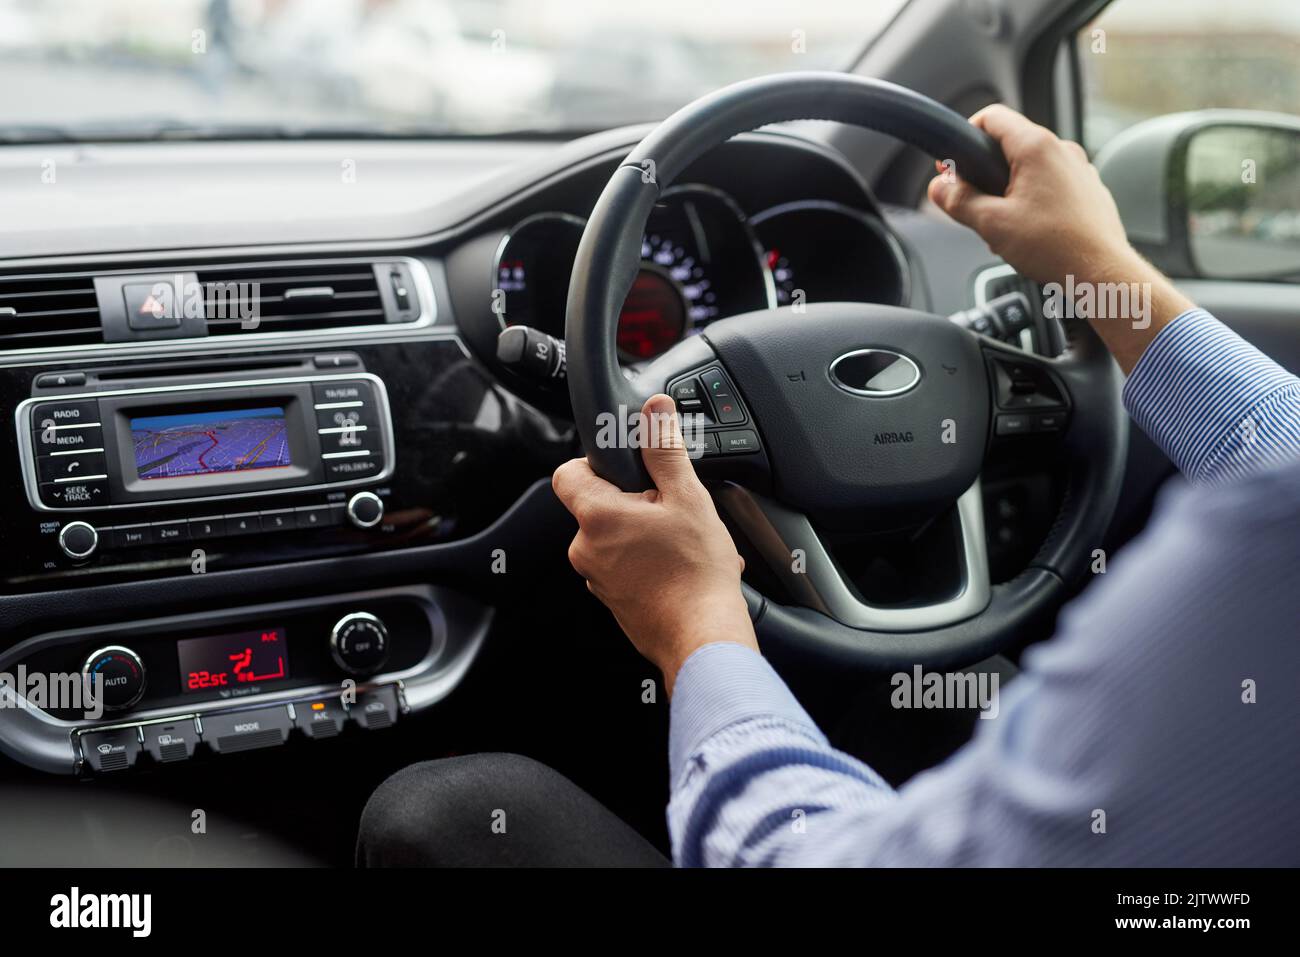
x=359, y=643
x=365, y=510
x=78, y=540
x=119, y=673
x=738, y=442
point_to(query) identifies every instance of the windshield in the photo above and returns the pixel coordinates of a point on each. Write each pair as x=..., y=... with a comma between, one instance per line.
x=73, y=69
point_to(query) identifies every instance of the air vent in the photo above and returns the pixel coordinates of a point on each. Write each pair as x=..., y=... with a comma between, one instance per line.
x=288, y=297
x=37, y=312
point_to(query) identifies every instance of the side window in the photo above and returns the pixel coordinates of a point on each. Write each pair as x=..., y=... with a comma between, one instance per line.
x=1145, y=58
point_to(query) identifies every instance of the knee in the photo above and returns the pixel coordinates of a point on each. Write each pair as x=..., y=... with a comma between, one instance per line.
x=426, y=814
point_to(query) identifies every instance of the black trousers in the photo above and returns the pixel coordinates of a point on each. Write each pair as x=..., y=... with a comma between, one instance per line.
x=493, y=810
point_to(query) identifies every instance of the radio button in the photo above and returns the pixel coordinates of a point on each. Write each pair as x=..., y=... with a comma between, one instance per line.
x=132, y=536
x=277, y=519
x=164, y=532
x=79, y=412
x=68, y=440
x=207, y=527
x=330, y=393
x=73, y=466
x=317, y=516
x=75, y=494
x=243, y=524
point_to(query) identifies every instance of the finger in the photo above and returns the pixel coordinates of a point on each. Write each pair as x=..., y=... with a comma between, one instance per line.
x=664, y=453
x=963, y=202
x=581, y=490
x=1004, y=124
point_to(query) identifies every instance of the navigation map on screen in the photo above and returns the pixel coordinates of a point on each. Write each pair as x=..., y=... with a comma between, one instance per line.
x=206, y=443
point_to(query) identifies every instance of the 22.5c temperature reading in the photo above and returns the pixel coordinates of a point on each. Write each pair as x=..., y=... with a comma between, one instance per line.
x=226, y=663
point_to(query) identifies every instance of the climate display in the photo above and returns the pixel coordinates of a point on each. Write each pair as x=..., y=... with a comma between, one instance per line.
x=207, y=443
x=233, y=662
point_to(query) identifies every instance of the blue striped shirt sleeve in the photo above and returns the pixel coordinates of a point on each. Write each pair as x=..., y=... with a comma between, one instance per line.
x=1217, y=406
x=754, y=782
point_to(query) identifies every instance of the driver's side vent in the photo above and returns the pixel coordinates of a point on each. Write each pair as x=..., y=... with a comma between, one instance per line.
x=40, y=311
x=289, y=297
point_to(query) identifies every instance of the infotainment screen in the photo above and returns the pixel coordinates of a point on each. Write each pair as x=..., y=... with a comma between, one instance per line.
x=208, y=443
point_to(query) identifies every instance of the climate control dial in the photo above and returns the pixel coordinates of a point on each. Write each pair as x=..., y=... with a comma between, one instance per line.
x=359, y=643
x=122, y=674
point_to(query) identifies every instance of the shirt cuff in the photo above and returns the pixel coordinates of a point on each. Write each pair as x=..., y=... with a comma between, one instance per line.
x=720, y=684
x=1195, y=385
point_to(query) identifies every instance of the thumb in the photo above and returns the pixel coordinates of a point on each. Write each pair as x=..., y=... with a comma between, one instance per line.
x=664, y=451
x=960, y=200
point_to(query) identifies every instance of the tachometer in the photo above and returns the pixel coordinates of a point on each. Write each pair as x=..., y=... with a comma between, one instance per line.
x=532, y=269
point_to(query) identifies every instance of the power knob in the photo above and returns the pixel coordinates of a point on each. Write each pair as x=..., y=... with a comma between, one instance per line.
x=359, y=643
x=78, y=540
x=365, y=510
x=118, y=673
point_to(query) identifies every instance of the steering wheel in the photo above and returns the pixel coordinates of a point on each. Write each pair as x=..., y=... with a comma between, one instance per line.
x=847, y=415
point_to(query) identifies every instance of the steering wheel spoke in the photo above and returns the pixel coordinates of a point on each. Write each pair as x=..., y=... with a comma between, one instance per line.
x=801, y=559
x=1030, y=396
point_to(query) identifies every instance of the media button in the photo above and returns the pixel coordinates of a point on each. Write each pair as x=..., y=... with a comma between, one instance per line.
x=80, y=494
x=246, y=523
x=207, y=527
x=62, y=466
x=68, y=439
x=274, y=520
x=346, y=417
x=164, y=532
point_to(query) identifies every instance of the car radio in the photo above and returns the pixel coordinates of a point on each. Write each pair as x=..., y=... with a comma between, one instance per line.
x=170, y=444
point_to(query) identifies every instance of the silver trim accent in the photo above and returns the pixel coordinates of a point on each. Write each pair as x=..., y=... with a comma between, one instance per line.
x=419, y=273
x=27, y=454
x=364, y=497
x=776, y=531
x=94, y=543
x=121, y=649
x=875, y=393
x=346, y=620
x=986, y=276
x=872, y=222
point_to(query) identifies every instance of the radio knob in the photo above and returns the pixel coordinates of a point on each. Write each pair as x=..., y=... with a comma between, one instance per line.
x=365, y=510
x=78, y=540
x=359, y=643
x=123, y=676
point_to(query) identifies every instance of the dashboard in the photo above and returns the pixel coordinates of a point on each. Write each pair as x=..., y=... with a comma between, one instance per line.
x=261, y=491
x=702, y=259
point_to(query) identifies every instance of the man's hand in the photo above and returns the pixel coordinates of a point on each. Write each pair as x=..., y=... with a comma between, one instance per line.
x=661, y=560
x=1057, y=220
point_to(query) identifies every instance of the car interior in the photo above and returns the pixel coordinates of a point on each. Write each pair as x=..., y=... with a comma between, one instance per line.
x=284, y=400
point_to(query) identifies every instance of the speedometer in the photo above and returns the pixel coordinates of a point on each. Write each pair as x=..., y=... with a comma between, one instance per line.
x=700, y=262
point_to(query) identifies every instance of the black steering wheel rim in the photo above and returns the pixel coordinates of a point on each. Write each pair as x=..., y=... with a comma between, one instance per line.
x=608, y=260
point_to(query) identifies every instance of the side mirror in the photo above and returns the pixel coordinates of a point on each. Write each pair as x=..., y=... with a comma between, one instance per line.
x=1215, y=193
